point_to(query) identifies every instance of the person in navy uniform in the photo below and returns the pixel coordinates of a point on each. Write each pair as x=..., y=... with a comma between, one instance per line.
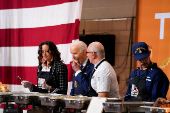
x=82, y=69
x=147, y=82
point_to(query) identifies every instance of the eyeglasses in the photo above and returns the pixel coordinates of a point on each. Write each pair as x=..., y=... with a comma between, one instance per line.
x=91, y=52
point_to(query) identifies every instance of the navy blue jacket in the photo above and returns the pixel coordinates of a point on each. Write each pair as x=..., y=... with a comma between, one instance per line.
x=157, y=83
x=81, y=81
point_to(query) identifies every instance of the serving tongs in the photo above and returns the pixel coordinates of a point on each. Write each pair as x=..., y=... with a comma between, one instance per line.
x=55, y=90
x=19, y=78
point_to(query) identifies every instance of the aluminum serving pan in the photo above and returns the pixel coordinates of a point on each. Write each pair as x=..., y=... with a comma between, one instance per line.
x=51, y=99
x=150, y=109
x=135, y=106
x=125, y=106
x=114, y=107
x=25, y=98
x=79, y=102
x=6, y=97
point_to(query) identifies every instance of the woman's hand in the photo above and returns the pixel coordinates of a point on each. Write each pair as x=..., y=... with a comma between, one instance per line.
x=27, y=84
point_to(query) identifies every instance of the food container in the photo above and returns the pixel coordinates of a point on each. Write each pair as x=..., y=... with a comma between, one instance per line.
x=150, y=109
x=6, y=97
x=135, y=106
x=50, y=99
x=80, y=102
x=122, y=107
x=25, y=98
x=114, y=107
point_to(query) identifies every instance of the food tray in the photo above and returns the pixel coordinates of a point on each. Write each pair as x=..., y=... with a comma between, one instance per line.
x=114, y=107
x=25, y=98
x=6, y=97
x=50, y=99
x=150, y=109
x=125, y=106
x=135, y=106
x=77, y=102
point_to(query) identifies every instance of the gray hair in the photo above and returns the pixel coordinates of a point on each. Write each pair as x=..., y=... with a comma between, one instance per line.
x=81, y=44
x=100, y=51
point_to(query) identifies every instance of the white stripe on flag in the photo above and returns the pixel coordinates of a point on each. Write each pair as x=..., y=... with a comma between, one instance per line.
x=27, y=56
x=41, y=16
x=14, y=88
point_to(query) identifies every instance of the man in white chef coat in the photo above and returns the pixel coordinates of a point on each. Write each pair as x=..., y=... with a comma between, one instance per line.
x=103, y=80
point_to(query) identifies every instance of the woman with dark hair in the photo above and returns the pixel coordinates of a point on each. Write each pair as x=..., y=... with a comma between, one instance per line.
x=51, y=72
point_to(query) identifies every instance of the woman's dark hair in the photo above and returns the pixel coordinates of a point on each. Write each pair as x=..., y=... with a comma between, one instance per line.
x=54, y=52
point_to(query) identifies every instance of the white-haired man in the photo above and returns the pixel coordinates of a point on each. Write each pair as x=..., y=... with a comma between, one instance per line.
x=82, y=69
x=103, y=80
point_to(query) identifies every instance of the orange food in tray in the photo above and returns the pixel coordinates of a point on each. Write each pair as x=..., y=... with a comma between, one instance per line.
x=3, y=87
x=161, y=102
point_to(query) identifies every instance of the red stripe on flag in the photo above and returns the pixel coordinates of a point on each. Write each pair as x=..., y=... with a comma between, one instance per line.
x=70, y=72
x=15, y=4
x=60, y=34
x=9, y=74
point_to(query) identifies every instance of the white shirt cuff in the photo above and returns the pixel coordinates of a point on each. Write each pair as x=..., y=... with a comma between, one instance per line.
x=77, y=72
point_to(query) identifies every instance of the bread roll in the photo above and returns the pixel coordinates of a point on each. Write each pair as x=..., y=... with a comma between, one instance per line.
x=6, y=90
x=3, y=88
x=76, y=61
x=4, y=85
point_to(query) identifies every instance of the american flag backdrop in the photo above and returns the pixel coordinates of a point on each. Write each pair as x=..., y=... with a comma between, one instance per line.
x=24, y=24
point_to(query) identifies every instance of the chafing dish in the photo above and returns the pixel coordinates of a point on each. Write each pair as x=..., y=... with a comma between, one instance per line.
x=25, y=98
x=79, y=102
x=50, y=99
x=6, y=96
x=135, y=106
x=125, y=106
x=114, y=107
x=150, y=109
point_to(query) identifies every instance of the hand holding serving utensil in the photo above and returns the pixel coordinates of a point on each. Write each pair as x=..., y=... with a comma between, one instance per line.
x=26, y=84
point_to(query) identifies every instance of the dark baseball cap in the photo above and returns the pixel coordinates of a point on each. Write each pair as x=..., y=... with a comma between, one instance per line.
x=140, y=50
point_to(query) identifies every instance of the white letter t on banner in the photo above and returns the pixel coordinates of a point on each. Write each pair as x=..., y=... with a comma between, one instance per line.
x=162, y=16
